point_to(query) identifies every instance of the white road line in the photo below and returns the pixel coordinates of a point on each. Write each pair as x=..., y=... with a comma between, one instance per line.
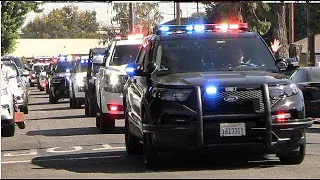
x=75, y=148
x=104, y=147
x=30, y=153
x=64, y=159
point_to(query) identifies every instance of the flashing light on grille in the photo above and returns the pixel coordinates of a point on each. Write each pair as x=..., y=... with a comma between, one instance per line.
x=281, y=117
x=211, y=90
x=118, y=37
x=164, y=28
x=67, y=70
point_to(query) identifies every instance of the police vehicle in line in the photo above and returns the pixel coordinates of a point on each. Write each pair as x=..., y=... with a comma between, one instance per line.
x=77, y=79
x=214, y=86
x=90, y=80
x=112, y=77
x=59, y=80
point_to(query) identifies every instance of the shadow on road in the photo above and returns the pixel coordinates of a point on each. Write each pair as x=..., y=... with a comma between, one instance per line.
x=120, y=162
x=313, y=129
x=73, y=131
x=59, y=117
x=52, y=109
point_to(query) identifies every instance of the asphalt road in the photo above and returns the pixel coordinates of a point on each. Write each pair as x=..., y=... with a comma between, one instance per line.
x=59, y=142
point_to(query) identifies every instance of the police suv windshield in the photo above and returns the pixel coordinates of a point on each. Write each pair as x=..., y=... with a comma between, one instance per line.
x=124, y=54
x=82, y=67
x=62, y=67
x=203, y=55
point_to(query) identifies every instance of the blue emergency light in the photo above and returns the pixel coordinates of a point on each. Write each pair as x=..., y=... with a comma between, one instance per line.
x=200, y=28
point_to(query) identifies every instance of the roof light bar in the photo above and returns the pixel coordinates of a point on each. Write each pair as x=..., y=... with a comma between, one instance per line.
x=166, y=29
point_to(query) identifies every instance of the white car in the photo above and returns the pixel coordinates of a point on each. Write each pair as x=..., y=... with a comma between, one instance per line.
x=111, y=79
x=7, y=108
x=77, y=79
x=17, y=86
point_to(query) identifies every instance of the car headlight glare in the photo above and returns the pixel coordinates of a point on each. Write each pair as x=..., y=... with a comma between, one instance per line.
x=80, y=80
x=114, y=79
x=171, y=94
x=280, y=91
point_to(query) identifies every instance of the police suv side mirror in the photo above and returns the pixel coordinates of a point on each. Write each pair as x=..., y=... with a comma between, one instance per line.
x=135, y=69
x=281, y=64
x=151, y=67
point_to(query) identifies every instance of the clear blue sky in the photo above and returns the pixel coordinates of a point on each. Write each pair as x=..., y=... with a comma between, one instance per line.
x=104, y=13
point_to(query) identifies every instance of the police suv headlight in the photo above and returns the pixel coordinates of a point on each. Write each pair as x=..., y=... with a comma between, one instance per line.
x=281, y=91
x=171, y=94
x=114, y=79
x=80, y=80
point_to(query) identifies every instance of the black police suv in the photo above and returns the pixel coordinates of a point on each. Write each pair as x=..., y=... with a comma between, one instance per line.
x=215, y=87
x=59, y=81
x=89, y=85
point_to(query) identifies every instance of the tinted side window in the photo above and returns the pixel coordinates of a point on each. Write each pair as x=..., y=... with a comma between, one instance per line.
x=299, y=76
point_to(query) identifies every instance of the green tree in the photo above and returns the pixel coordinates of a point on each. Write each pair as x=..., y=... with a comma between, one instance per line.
x=314, y=25
x=13, y=14
x=260, y=16
x=146, y=16
x=66, y=22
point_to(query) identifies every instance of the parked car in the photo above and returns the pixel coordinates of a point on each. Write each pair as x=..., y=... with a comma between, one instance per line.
x=214, y=87
x=77, y=79
x=7, y=108
x=111, y=79
x=37, y=68
x=18, y=87
x=90, y=81
x=308, y=81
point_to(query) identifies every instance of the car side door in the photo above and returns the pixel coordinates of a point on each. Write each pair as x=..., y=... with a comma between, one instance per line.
x=136, y=90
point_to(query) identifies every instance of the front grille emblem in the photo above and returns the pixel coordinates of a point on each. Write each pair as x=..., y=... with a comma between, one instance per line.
x=231, y=98
x=230, y=89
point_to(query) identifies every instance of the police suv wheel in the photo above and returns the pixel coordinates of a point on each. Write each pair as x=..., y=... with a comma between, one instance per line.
x=92, y=110
x=86, y=108
x=151, y=156
x=107, y=123
x=133, y=145
x=97, y=118
x=294, y=157
x=52, y=99
x=8, y=131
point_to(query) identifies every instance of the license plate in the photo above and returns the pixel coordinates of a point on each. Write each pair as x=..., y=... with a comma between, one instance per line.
x=232, y=129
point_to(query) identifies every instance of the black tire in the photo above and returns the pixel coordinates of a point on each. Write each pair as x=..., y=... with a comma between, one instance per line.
x=41, y=89
x=31, y=85
x=92, y=110
x=47, y=91
x=150, y=154
x=107, y=123
x=97, y=118
x=77, y=103
x=52, y=99
x=86, y=108
x=133, y=145
x=8, y=131
x=295, y=157
x=25, y=109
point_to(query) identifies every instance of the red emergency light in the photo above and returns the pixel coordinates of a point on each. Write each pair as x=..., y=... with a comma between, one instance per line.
x=226, y=27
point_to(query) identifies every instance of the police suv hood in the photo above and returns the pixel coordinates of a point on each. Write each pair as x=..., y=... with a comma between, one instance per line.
x=235, y=78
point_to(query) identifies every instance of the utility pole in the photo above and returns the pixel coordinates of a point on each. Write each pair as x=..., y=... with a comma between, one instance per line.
x=174, y=10
x=311, y=40
x=291, y=23
x=131, y=18
x=197, y=9
x=178, y=13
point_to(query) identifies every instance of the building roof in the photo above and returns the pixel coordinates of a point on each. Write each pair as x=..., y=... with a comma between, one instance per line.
x=54, y=47
x=304, y=43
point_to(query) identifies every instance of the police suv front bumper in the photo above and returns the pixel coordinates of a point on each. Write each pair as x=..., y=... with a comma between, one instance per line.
x=177, y=127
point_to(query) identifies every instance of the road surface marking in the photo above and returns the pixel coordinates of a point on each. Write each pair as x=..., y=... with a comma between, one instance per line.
x=53, y=150
x=104, y=147
x=30, y=153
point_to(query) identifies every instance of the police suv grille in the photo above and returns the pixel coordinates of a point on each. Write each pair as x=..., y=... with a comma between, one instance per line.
x=249, y=101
